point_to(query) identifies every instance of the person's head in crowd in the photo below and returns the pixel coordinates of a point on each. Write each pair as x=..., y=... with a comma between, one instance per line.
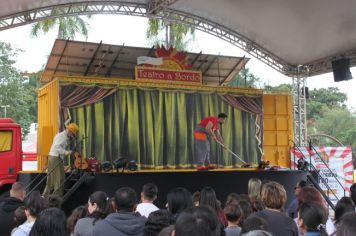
x=312, y=217
x=78, y=213
x=300, y=184
x=257, y=205
x=208, y=198
x=347, y=225
x=252, y=223
x=149, y=192
x=157, y=221
x=18, y=190
x=179, y=199
x=20, y=215
x=196, y=198
x=254, y=188
x=273, y=195
x=34, y=204
x=232, y=198
x=125, y=200
x=310, y=194
x=257, y=233
x=244, y=196
x=98, y=205
x=353, y=193
x=197, y=221
x=54, y=200
x=51, y=221
x=233, y=213
x=343, y=206
x=246, y=210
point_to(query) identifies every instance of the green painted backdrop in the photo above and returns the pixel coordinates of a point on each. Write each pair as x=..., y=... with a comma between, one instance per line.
x=155, y=128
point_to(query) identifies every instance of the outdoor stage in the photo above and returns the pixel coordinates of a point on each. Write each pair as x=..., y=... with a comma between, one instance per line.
x=224, y=181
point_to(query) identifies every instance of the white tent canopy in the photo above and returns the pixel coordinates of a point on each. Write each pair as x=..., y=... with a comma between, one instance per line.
x=282, y=33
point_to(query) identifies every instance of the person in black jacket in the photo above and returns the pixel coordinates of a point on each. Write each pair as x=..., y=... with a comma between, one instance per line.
x=8, y=207
x=124, y=221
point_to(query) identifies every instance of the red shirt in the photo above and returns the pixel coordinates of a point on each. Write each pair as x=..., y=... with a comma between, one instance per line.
x=211, y=119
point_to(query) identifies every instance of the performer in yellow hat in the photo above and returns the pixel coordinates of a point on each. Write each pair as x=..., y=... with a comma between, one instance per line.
x=59, y=149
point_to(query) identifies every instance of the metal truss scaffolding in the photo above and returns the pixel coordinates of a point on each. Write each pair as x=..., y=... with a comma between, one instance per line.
x=299, y=110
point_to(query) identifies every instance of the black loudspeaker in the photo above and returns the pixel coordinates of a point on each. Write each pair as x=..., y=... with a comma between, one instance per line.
x=306, y=89
x=341, y=69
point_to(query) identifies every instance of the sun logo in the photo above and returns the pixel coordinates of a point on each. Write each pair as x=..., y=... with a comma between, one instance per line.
x=172, y=59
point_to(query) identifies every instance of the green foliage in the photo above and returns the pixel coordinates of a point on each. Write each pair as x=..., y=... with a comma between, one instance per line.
x=245, y=79
x=16, y=91
x=68, y=26
x=169, y=33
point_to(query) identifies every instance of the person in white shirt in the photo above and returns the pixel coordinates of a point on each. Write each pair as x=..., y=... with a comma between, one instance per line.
x=148, y=196
x=59, y=149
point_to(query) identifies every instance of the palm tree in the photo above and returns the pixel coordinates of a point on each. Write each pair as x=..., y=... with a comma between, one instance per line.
x=174, y=33
x=68, y=26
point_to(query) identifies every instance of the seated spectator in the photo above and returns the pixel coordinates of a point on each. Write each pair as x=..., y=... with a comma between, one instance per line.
x=19, y=217
x=50, y=222
x=197, y=221
x=246, y=210
x=347, y=225
x=312, y=219
x=254, y=189
x=208, y=198
x=274, y=196
x=353, y=193
x=148, y=196
x=253, y=223
x=54, y=200
x=34, y=204
x=77, y=214
x=8, y=207
x=157, y=221
x=179, y=199
x=233, y=214
x=293, y=206
x=98, y=209
x=124, y=221
x=343, y=206
x=257, y=233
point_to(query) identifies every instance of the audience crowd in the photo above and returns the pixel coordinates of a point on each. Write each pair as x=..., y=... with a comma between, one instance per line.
x=260, y=212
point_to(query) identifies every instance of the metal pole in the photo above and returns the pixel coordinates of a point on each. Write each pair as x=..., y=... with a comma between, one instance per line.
x=5, y=106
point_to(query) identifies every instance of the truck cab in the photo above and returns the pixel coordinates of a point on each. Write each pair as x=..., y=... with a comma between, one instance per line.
x=10, y=153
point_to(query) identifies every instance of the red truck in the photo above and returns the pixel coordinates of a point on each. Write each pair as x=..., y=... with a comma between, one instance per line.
x=10, y=154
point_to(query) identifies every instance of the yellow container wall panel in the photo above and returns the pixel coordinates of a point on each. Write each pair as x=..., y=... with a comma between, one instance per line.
x=48, y=120
x=281, y=105
x=282, y=123
x=278, y=128
x=269, y=123
x=269, y=105
x=269, y=138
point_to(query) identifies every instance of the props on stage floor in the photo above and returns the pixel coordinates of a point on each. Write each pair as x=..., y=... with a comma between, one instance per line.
x=120, y=163
x=106, y=166
x=263, y=165
x=80, y=162
x=229, y=150
x=94, y=164
x=132, y=165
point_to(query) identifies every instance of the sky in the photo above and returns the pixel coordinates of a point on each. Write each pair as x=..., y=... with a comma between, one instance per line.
x=130, y=30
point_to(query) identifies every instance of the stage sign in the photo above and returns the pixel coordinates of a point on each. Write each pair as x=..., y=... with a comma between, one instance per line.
x=167, y=75
x=339, y=160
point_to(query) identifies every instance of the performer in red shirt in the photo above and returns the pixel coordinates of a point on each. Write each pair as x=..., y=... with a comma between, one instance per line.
x=207, y=127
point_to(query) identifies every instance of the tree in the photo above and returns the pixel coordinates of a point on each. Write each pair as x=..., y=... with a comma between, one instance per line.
x=68, y=26
x=15, y=90
x=245, y=79
x=168, y=33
